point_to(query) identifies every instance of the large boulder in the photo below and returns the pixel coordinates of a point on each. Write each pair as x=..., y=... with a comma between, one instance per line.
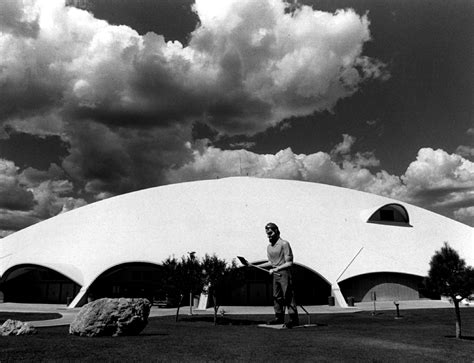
x=111, y=317
x=16, y=327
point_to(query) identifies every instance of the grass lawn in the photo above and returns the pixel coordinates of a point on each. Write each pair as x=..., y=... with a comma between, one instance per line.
x=420, y=336
x=28, y=316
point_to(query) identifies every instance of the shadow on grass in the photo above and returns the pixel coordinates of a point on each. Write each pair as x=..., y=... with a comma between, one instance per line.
x=28, y=316
x=462, y=337
x=223, y=320
x=420, y=337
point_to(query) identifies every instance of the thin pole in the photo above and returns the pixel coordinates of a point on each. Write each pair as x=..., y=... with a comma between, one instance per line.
x=350, y=263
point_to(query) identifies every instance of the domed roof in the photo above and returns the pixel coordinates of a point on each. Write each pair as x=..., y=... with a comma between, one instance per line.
x=333, y=231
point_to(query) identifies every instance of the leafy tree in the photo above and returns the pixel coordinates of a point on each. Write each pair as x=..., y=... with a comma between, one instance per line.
x=181, y=277
x=218, y=276
x=190, y=275
x=450, y=276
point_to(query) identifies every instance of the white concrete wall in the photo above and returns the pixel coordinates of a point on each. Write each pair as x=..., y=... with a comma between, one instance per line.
x=325, y=225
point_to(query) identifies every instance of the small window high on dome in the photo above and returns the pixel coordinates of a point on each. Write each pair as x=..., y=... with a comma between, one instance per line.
x=393, y=214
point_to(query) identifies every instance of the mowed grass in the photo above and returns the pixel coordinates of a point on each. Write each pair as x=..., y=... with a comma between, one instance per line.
x=28, y=316
x=420, y=336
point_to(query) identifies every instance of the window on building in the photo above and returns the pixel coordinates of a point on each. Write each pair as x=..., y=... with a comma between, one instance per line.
x=394, y=214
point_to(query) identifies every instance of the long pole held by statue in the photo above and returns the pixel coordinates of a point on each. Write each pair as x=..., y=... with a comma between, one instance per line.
x=192, y=256
x=373, y=295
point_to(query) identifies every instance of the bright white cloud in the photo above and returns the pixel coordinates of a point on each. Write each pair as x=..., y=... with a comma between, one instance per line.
x=436, y=169
x=441, y=182
x=124, y=102
x=345, y=146
x=329, y=168
x=287, y=63
x=19, y=17
x=435, y=180
x=248, y=65
x=12, y=195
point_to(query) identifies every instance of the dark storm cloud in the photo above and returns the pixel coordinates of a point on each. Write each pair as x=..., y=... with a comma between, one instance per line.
x=16, y=198
x=12, y=195
x=119, y=161
x=124, y=103
x=27, y=80
x=32, y=195
x=11, y=221
x=33, y=177
x=246, y=67
x=36, y=151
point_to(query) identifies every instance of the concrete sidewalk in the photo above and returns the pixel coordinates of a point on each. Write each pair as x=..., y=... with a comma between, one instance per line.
x=68, y=314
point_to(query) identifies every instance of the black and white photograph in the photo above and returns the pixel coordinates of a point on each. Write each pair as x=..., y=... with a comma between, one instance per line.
x=236, y=180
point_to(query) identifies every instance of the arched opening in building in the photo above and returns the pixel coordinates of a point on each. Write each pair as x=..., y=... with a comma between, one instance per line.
x=257, y=289
x=387, y=286
x=133, y=280
x=393, y=214
x=37, y=284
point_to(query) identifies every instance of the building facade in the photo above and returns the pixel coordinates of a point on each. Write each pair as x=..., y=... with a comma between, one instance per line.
x=346, y=243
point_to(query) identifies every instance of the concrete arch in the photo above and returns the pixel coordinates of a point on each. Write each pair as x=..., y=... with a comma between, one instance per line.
x=36, y=283
x=392, y=214
x=131, y=279
x=387, y=286
x=127, y=279
x=326, y=226
x=310, y=288
x=313, y=271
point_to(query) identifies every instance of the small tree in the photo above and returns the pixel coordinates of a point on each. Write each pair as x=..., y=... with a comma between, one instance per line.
x=182, y=277
x=218, y=276
x=449, y=276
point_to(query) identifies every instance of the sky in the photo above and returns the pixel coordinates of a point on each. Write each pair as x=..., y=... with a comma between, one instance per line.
x=113, y=96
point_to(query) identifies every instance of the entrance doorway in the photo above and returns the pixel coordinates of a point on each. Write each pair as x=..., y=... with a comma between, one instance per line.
x=257, y=289
x=37, y=284
x=130, y=280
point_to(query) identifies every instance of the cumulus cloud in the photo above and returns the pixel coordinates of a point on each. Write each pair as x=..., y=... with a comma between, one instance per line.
x=12, y=195
x=248, y=65
x=465, y=215
x=125, y=104
x=242, y=145
x=345, y=146
x=440, y=181
x=32, y=195
x=465, y=151
x=438, y=170
x=111, y=162
x=282, y=64
x=108, y=91
x=18, y=17
x=12, y=221
x=338, y=167
x=436, y=180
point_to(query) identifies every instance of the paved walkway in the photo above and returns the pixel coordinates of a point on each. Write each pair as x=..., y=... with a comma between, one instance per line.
x=68, y=314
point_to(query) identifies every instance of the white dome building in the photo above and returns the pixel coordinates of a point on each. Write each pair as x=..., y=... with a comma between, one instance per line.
x=346, y=243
